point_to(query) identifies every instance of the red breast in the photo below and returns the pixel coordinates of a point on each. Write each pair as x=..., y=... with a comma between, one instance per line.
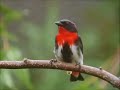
x=66, y=36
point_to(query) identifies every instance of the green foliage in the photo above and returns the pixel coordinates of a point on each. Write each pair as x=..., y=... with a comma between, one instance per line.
x=9, y=14
x=11, y=52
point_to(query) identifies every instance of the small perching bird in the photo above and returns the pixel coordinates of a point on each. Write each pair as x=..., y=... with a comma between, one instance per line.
x=68, y=46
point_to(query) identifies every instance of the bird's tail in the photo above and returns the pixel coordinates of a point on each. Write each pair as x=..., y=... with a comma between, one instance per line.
x=76, y=76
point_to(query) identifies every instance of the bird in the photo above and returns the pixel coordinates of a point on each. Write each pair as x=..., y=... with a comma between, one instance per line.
x=69, y=46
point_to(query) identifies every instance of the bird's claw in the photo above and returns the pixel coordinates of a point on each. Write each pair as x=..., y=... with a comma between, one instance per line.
x=53, y=61
x=78, y=64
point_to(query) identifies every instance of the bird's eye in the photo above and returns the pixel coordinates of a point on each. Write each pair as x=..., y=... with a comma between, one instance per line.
x=63, y=22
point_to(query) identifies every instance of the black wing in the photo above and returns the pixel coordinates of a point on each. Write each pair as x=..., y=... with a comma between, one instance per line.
x=56, y=45
x=79, y=43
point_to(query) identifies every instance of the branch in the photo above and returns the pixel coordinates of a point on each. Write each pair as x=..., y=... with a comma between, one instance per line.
x=46, y=64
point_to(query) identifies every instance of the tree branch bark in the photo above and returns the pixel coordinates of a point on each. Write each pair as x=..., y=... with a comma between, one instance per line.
x=46, y=64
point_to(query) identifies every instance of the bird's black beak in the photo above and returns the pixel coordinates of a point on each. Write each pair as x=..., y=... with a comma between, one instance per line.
x=58, y=23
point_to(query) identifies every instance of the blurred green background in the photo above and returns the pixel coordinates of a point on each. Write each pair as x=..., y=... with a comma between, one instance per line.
x=27, y=29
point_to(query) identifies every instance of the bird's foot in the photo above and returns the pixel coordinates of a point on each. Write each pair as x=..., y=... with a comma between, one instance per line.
x=53, y=61
x=78, y=64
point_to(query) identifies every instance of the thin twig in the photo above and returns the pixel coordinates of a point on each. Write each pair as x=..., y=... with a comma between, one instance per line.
x=46, y=64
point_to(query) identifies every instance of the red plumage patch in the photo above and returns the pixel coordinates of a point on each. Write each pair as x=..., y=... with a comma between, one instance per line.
x=66, y=36
x=75, y=74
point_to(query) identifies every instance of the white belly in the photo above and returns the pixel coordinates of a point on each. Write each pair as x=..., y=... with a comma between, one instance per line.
x=75, y=57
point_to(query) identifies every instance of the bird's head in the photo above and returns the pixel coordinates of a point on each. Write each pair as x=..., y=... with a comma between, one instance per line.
x=67, y=25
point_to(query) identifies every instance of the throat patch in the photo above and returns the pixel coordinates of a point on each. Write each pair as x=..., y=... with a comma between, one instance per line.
x=66, y=53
